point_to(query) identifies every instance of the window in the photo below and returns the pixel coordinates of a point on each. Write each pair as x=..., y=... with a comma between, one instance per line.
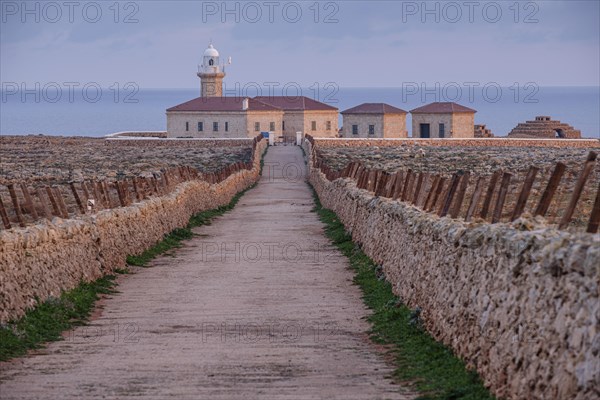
x=442, y=130
x=226, y=126
x=424, y=130
x=211, y=62
x=313, y=125
x=200, y=126
x=257, y=126
x=283, y=125
x=328, y=125
x=355, y=129
x=187, y=126
x=272, y=126
x=215, y=127
x=371, y=129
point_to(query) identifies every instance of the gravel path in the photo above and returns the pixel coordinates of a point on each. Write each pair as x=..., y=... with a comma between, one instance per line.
x=257, y=306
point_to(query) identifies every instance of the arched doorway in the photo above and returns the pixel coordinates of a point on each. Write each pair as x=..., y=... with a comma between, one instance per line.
x=559, y=134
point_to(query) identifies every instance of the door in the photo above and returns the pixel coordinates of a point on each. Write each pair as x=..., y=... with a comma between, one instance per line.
x=424, y=130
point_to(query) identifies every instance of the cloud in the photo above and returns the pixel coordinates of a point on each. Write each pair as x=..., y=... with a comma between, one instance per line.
x=375, y=43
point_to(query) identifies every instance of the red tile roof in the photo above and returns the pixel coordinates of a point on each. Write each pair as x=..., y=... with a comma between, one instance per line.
x=222, y=104
x=295, y=103
x=442, y=108
x=374, y=108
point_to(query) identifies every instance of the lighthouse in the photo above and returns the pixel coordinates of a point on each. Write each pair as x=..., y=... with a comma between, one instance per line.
x=211, y=73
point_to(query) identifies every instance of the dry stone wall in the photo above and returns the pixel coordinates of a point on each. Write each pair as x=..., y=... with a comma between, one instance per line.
x=518, y=302
x=41, y=261
x=460, y=142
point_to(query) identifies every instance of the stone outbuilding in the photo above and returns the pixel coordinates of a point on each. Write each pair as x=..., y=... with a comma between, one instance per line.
x=223, y=117
x=544, y=127
x=303, y=114
x=443, y=120
x=374, y=120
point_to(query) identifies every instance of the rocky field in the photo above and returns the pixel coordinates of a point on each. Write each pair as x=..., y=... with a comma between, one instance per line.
x=48, y=160
x=447, y=160
x=484, y=161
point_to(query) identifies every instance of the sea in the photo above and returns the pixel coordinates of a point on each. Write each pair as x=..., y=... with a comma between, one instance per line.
x=97, y=112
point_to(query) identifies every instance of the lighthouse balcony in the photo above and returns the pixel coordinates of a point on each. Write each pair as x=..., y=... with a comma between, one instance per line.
x=210, y=69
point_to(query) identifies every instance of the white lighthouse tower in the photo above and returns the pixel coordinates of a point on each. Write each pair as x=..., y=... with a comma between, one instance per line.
x=211, y=73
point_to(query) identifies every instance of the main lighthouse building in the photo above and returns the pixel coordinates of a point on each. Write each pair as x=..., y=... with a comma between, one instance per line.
x=213, y=115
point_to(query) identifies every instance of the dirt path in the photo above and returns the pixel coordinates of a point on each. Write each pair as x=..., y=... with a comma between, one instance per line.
x=257, y=306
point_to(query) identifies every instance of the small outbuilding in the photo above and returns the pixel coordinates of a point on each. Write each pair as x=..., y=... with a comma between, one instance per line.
x=443, y=120
x=374, y=120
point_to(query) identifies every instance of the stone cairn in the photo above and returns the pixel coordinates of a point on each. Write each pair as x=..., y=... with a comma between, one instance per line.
x=544, y=127
x=482, y=132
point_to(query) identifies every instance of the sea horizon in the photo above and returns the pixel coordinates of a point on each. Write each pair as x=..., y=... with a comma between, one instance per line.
x=143, y=109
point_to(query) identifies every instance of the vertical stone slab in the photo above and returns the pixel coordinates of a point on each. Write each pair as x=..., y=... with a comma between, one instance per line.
x=53, y=201
x=525, y=192
x=406, y=185
x=497, y=215
x=553, y=182
x=29, y=201
x=595, y=215
x=4, y=215
x=16, y=205
x=487, y=201
x=475, y=199
x=430, y=194
x=77, y=199
x=61, y=202
x=45, y=209
x=417, y=193
x=578, y=189
x=450, y=195
x=460, y=195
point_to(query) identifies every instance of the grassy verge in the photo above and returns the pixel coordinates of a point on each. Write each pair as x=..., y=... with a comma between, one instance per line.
x=428, y=366
x=48, y=320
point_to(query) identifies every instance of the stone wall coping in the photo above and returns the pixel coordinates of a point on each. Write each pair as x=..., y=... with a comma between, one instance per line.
x=179, y=139
x=124, y=133
x=483, y=140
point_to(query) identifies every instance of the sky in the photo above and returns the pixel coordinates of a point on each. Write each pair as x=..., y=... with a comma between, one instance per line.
x=158, y=44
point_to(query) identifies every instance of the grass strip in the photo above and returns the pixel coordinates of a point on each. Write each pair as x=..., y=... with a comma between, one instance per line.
x=428, y=366
x=47, y=321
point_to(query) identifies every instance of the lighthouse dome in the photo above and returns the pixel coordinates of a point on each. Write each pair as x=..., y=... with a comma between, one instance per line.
x=211, y=52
